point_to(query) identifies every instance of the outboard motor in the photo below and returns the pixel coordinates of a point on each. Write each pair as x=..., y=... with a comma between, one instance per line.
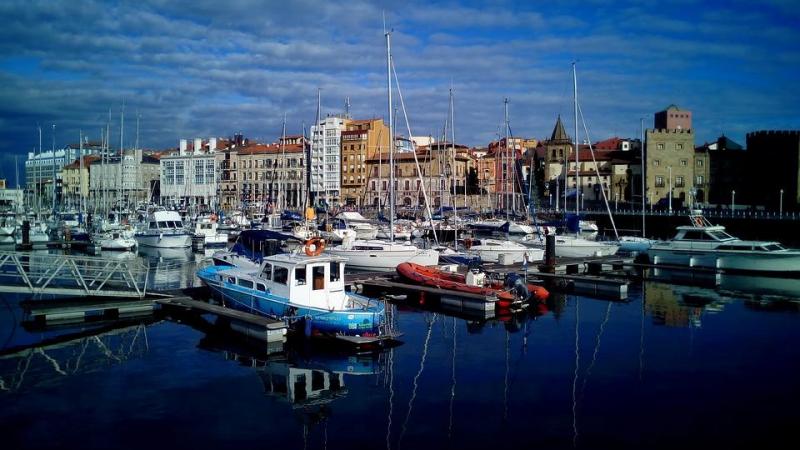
x=516, y=284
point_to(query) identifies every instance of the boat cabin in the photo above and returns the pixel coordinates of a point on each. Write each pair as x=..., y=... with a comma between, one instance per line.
x=315, y=281
x=717, y=238
x=165, y=220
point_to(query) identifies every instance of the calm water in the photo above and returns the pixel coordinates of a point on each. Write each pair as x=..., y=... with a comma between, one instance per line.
x=675, y=366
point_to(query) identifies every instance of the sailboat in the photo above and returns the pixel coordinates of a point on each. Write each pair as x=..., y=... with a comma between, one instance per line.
x=569, y=246
x=381, y=255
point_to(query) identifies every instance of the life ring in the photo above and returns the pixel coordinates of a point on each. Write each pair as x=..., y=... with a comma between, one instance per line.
x=698, y=221
x=314, y=246
x=467, y=243
x=213, y=218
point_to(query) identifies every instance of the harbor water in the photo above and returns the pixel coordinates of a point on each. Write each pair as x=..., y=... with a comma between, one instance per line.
x=675, y=365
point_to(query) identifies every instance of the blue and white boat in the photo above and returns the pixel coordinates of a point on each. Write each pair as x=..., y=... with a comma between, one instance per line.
x=307, y=290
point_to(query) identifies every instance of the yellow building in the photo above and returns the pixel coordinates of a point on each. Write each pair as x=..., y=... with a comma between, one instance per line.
x=361, y=140
x=75, y=180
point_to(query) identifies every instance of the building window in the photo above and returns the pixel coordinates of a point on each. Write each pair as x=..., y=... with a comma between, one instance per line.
x=678, y=146
x=656, y=162
x=659, y=181
x=660, y=146
x=698, y=180
x=679, y=181
x=699, y=163
x=684, y=162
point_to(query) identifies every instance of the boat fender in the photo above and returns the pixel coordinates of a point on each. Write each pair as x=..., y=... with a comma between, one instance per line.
x=314, y=246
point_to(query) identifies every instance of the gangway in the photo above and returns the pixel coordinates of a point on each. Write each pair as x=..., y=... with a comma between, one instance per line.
x=39, y=274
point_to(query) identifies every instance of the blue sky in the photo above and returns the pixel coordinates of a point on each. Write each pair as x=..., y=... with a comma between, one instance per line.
x=209, y=68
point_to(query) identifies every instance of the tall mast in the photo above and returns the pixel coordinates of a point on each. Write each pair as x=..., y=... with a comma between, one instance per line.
x=578, y=188
x=122, y=151
x=453, y=172
x=80, y=172
x=38, y=177
x=641, y=150
x=136, y=146
x=507, y=159
x=108, y=149
x=282, y=164
x=54, y=168
x=391, y=134
x=321, y=130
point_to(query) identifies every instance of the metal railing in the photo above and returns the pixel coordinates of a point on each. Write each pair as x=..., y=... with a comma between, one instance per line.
x=47, y=274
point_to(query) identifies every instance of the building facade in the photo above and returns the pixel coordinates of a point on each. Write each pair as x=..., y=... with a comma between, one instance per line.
x=271, y=176
x=189, y=178
x=670, y=157
x=127, y=179
x=325, y=165
x=361, y=140
x=75, y=180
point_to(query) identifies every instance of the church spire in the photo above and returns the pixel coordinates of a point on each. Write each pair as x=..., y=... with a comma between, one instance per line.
x=559, y=133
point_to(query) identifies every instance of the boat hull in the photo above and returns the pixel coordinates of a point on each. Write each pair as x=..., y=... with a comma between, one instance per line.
x=117, y=244
x=164, y=240
x=385, y=260
x=350, y=322
x=731, y=261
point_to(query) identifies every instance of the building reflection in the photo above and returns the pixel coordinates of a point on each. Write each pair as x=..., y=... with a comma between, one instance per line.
x=680, y=306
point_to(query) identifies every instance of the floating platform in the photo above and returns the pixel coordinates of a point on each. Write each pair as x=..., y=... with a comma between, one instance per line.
x=41, y=313
x=251, y=325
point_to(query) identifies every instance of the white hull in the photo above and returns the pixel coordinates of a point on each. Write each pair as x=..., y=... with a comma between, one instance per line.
x=534, y=254
x=366, y=233
x=630, y=244
x=164, y=240
x=746, y=261
x=582, y=248
x=117, y=244
x=387, y=258
x=218, y=239
x=7, y=231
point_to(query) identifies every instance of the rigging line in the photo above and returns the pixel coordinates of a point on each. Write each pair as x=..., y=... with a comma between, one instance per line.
x=596, y=349
x=390, y=367
x=597, y=172
x=575, y=376
x=453, y=387
x=416, y=379
x=414, y=147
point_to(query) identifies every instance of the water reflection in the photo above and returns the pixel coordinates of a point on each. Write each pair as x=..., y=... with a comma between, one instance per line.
x=32, y=366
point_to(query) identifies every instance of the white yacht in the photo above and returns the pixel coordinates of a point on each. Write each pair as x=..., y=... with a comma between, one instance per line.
x=568, y=246
x=702, y=244
x=115, y=240
x=207, y=228
x=358, y=223
x=381, y=255
x=164, y=229
x=489, y=250
x=8, y=224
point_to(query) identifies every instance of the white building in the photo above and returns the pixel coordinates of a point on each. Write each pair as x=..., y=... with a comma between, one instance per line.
x=325, y=164
x=189, y=177
x=11, y=199
x=44, y=167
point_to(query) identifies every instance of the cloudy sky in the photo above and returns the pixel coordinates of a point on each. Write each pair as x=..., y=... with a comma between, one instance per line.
x=212, y=68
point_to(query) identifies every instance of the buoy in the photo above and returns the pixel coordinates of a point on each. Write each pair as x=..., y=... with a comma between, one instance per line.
x=314, y=246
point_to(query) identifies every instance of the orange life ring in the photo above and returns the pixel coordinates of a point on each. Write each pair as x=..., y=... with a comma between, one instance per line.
x=698, y=221
x=314, y=246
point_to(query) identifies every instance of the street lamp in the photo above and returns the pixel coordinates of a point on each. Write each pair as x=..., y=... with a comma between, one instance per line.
x=781, y=204
x=616, y=200
x=733, y=201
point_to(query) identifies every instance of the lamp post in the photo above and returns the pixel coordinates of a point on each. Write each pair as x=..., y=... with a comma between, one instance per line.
x=616, y=200
x=670, y=189
x=781, y=205
x=733, y=201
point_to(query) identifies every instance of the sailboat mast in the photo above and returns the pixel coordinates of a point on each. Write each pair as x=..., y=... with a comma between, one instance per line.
x=507, y=157
x=578, y=188
x=80, y=172
x=641, y=149
x=282, y=203
x=391, y=134
x=453, y=171
x=54, y=168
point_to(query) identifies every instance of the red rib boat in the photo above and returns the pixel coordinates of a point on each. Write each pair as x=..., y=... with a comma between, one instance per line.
x=430, y=276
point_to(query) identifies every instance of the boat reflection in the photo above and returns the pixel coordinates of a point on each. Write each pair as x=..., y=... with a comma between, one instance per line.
x=168, y=268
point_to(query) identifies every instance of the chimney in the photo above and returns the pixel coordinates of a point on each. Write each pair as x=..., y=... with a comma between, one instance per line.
x=182, y=148
x=198, y=143
x=212, y=145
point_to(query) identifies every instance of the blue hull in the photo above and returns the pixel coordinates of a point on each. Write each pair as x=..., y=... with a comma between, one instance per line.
x=352, y=322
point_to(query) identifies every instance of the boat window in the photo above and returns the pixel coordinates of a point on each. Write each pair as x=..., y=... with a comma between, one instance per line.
x=318, y=276
x=261, y=287
x=695, y=236
x=267, y=272
x=719, y=235
x=245, y=283
x=773, y=247
x=281, y=275
x=153, y=225
x=178, y=224
x=162, y=224
x=300, y=276
x=336, y=271
x=232, y=280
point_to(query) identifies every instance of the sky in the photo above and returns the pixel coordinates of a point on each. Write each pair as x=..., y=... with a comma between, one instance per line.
x=201, y=68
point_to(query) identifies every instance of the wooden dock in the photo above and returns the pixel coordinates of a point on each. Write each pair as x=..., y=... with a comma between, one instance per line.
x=251, y=325
x=463, y=300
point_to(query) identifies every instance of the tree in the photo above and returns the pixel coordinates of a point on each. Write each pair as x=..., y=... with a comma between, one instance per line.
x=473, y=184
